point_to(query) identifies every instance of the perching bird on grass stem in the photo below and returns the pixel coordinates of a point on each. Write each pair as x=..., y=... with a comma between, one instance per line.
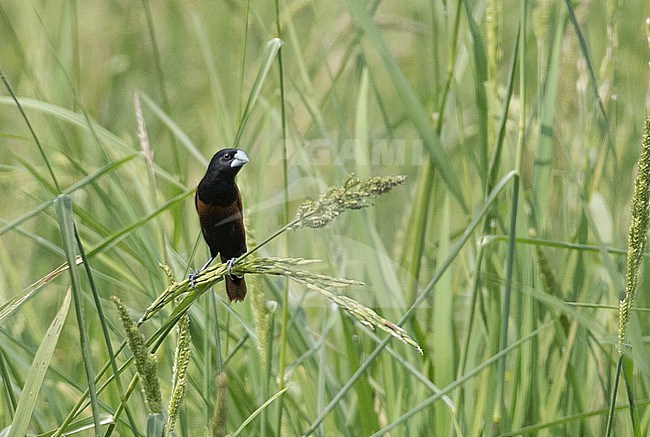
x=219, y=206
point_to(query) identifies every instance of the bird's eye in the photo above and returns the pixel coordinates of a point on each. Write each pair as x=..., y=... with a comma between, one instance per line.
x=227, y=155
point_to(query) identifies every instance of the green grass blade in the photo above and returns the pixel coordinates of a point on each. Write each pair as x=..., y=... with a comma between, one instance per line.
x=544, y=162
x=268, y=57
x=274, y=47
x=592, y=75
x=628, y=371
x=155, y=425
x=7, y=383
x=71, y=117
x=612, y=404
x=505, y=309
x=482, y=113
x=361, y=129
x=64, y=212
x=36, y=375
x=493, y=169
x=31, y=130
x=18, y=300
x=102, y=318
x=261, y=408
x=175, y=129
x=363, y=390
x=443, y=349
x=84, y=424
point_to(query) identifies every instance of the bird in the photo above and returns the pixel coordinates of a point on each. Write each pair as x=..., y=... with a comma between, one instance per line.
x=219, y=206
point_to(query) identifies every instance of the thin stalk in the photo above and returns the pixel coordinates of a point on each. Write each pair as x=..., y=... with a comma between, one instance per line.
x=103, y=323
x=9, y=390
x=612, y=405
x=628, y=371
x=122, y=406
x=74, y=30
x=64, y=213
x=592, y=76
x=268, y=370
x=243, y=61
x=282, y=359
x=207, y=364
x=31, y=130
x=505, y=309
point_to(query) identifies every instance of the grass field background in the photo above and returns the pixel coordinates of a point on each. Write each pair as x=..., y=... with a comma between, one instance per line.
x=517, y=124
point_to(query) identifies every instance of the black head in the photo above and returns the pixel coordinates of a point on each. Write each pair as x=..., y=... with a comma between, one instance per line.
x=227, y=162
x=218, y=185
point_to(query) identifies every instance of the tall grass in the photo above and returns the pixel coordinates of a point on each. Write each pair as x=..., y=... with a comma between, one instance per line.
x=518, y=126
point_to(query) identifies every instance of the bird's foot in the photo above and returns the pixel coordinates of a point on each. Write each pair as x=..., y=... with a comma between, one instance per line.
x=192, y=278
x=229, y=265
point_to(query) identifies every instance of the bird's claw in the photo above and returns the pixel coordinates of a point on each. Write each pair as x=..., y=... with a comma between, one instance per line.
x=229, y=265
x=192, y=278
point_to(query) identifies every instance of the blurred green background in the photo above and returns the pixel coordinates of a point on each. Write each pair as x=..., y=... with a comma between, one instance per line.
x=381, y=88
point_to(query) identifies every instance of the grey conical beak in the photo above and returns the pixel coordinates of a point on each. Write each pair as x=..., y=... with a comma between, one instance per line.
x=240, y=159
